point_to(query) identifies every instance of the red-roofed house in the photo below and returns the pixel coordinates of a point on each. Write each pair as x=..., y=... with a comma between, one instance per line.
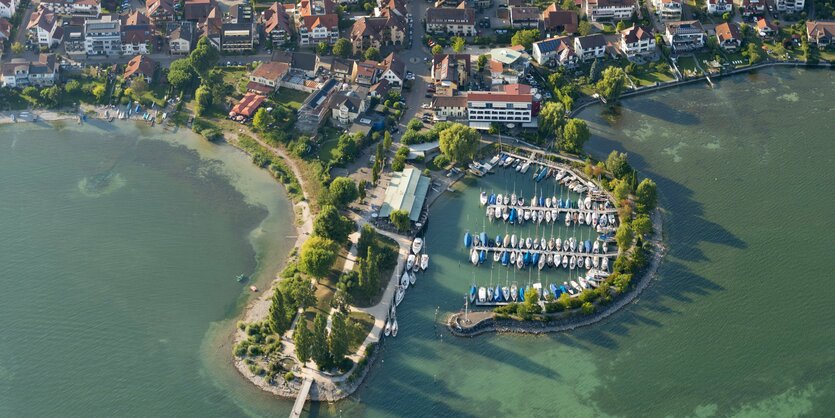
x=317, y=21
x=267, y=77
x=140, y=66
x=637, y=40
x=277, y=26
x=728, y=35
x=5, y=29
x=555, y=21
x=44, y=26
x=766, y=29
x=247, y=106
x=160, y=10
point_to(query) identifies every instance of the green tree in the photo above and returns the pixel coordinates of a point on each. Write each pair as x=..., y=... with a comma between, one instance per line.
x=331, y=225
x=584, y=28
x=17, y=48
x=386, y=140
x=415, y=124
x=181, y=74
x=139, y=85
x=277, y=319
x=617, y=164
x=342, y=48
x=303, y=340
x=624, y=236
x=525, y=37
x=72, y=87
x=322, y=48
x=594, y=72
x=458, y=44
x=372, y=54
x=481, y=62
x=551, y=118
x=338, y=340
x=98, y=92
x=621, y=190
x=262, y=119
x=51, y=94
x=755, y=55
x=317, y=256
x=587, y=308
x=620, y=26
x=642, y=225
x=647, y=194
x=204, y=57
x=574, y=135
x=612, y=83
x=400, y=219
x=203, y=100
x=297, y=291
x=568, y=5
x=319, y=342
x=726, y=16
x=459, y=142
x=437, y=50
x=342, y=191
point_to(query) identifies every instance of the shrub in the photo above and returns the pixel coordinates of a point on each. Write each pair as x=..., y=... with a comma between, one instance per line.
x=441, y=161
x=289, y=376
x=588, y=308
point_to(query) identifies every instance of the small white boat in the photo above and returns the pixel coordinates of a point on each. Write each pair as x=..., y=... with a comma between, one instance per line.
x=474, y=257
x=410, y=262
x=580, y=262
x=572, y=263
x=549, y=259
x=534, y=216
x=525, y=167
x=518, y=168
x=594, y=220
x=506, y=240
x=604, y=263
x=612, y=219
x=591, y=282
x=417, y=245
x=565, y=261
x=513, y=258
x=506, y=199
x=513, y=199
x=567, y=219
x=588, y=218
x=576, y=286
x=496, y=256
x=528, y=242
x=595, y=261
x=551, y=244
x=394, y=327
x=572, y=243
x=582, y=283
x=565, y=245
x=505, y=214
x=490, y=212
x=520, y=262
x=482, y=294
x=398, y=295
x=416, y=267
x=541, y=263
x=498, y=213
x=490, y=293
x=587, y=202
x=604, y=248
x=483, y=198
x=596, y=248
x=581, y=219
x=505, y=294
x=588, y=263
x=560, y=175
x=527, y=215
x=387, y=330
x=514, y=292
x=542, y=243
x=412, y=278
x=513, y=241
x=548, y=216
x=499, y=199
x=541, y=216
x=404, y=280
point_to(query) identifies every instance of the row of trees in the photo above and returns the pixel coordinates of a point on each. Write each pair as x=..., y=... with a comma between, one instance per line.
x=325, y=349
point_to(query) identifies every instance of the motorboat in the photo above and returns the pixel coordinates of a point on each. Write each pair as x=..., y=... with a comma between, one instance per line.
x=534, y=216
x=576, y=286
x=482, y=294
x=549, y=259
x=513, y=258
x=541, y=201
x=496, y=256
x=497, y=294
x=604, y=248
x=542, y=243
x=580, y=262
x=533, y=201
x=412, y=278
x=514, y=292
x=604, y=263
x=526, y=215
x=541, y=263
x=387, y=330
x=596, y=247
x=565, y=245
x=568, y=289
x=512, y=216
x=492, y=199
x=483, y=238
x=567, y=219
x=548, y=216
x=506, y=294
x=525, y=167
x=491, y=211
x=483, y=198
x=416, y=267
x=468, y=239
x=410, y=261
x=565, y=261
x=551, y=244
x=547, y=202
x=519, y=261
x=572, y=263
x=474, y=257
x=499, y=199
x=398, y=295
x=572, y=243
x=595, y=261
x=498, y=241
x=404, y=280
x=594, y=220
x=582, y=283
x=489, y=294
x=612, y=219
x=498, y=213
x=588, y=218
x=554, y=290
x=513, y=199
x=505, y=214
x=528, y=242
x=558, y=243
x=394, y=327
x=541, y=216
x=587, y=202
x=522, y=293
x=560, y=175
x=588, y=263
x=581, y=219
x=506, y=199
x=603, y=220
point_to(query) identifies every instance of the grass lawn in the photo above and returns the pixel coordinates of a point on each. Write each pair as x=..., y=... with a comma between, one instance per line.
x=687, y=66
x=235, y=76
x=330, y=139
x=290, y=98
x=827, y=54
x=650, y=77
x=359, y=325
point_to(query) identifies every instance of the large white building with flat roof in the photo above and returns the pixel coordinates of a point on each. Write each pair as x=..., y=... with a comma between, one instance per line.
x=513, y=105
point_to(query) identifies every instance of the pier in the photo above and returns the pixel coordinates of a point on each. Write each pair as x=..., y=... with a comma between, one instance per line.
x=594, y=191
x=552, y=208
x=544, y=251
x=301, y=398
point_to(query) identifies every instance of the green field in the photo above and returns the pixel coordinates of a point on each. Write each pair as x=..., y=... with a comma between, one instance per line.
x=290, y=98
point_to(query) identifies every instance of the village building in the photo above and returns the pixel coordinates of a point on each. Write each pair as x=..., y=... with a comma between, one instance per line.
x=728, y=36
x=84, y=8
x=182, y=37
x=8, y=8
x=277, y=24
x=686, y=35
x=512, y=105
x=376, y=32
x=317, y=21
x=140, y=66
x=590, y=46
x=266, y=78
x=454, y=69
x=452, y=21
x=556, y=21
x=559, y=51
x=407, y=192
x=637, y=40
x=719, y=7
x=20, y=72
x=789, y=5
x=160, y=11
x=820, y=33
x=668, y=9
x=613, y=10
x=103, y=36
x=43, y=25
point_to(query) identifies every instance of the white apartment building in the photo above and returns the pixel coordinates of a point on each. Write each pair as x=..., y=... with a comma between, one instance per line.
x=789, y=5
x=7, y=8
x=609, y=9
x=668, y=9
x=637, y=40
x=590, y=47
x=513, y=105
x=103, y=36
x=719, y=6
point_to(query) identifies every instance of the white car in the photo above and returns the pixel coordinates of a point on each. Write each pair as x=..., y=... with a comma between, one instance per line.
x=425, y=106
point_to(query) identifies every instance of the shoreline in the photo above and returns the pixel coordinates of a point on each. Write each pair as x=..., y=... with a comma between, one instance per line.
x=573, y=321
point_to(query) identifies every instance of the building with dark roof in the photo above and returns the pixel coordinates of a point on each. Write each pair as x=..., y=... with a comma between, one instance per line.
x=637, y=40
x=276, y=23
x=454, y=21
x=590, y=46
x=376, y=32
x=555, y=21
x=685, y=35
x=140, y=66
x=558, y=50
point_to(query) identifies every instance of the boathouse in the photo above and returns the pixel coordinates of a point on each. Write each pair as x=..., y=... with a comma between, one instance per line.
x=406, y=191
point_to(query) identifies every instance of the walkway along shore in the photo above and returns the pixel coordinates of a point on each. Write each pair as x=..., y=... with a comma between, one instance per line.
x=482, y=322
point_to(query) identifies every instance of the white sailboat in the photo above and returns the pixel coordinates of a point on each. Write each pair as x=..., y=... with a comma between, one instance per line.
x=482, y=294
x=424, y=261
x=417, y=245
x=398, y=295
x=474, y=256
x=404, y=280
x=483, y=198
x=572, y=263
x=506, y=241
x=387, y=330
x=513, y=241
x=588, y=263
x=604, y=263
x=410, y=261
x=412, y=278
x=394, y=327
x=513, y=199
x=565, y=261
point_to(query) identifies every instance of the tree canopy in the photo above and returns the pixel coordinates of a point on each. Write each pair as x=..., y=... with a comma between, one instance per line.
x=331, y=225
x=342, y=47
x=302, y=339
x=458, y=44
x=574, y=135
x=343, y=191
x=204, y=57
x=319, y=341
x=612, y=83
x=181, y=75
x=372, y=54
x=278, y=321
x=642, y=225
x=616, y=163
x=551, y=118
x=647, y=195
x=317, y=256
x=525, y=37
x=262, y=119
x=459, y=142
x=624, y=236
x=338, y=340
x=400, y=219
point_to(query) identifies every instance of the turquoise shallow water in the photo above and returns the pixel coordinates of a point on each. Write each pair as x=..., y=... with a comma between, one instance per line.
x=101, y=316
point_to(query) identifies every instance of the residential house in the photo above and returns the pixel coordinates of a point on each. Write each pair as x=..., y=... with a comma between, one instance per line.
x=789, y=5
x=103, y=36
x=43, y=24
x=590, y=46
x=86, y=8
x=20, y=72
x=396, y=7
x=73, y=41
x=266, y=78
x=512, y=105
x=365, y=72
x=450, y=107
x=182, y=37
x=276, y=22
x=160, y=11
x=728, y=36
x=368, y=32
x=140, y=66
x=454, y=69
x=556, y=51
x=136, y=33
x=454, y=21
x=719, y=7
x=197, y=10
x=609, y=9
x=393, y=69
x=342, y=68
x=247, y=106
x=637, y=40
x=524, y=17
x=5, y=31
x=555, y=21
x=237, y=33
x=766, y=29
x=212, y=26
x=347, y=106
x=317, y=21
x=752, y=8
x=305, y=63
x=668, y=9
x=686, y=35
x=315, y=109
x=380, y=89
x=508, y=65
x=820, y=33
x=8, y=8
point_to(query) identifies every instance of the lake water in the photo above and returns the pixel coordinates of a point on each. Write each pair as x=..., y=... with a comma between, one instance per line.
x=120, y=304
